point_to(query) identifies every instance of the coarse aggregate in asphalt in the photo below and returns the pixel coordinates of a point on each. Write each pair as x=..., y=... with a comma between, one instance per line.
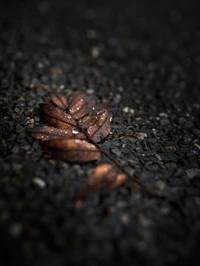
x=140, y=58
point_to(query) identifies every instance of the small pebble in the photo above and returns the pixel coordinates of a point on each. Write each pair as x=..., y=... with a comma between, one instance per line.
x=15, y=230
x=95, y=52
x=141, y=136
x=90, y=91
x=39, y=182
x=126, y=109
x=198, y=146
x=193, y=172
x=163, y=115
x=160, y=185
x=91, y=34
x=116, y=152
x=121, y=89
x=62, y=86
x=124, y=219
x=145, y=222
x=164, y=122
x=15, y=149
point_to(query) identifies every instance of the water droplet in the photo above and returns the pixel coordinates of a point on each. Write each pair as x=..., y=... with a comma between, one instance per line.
x=100, y=112
x=75, y=131
x=39, y=182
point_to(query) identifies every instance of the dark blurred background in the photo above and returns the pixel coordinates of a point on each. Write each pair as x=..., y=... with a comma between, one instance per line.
x=71, y=22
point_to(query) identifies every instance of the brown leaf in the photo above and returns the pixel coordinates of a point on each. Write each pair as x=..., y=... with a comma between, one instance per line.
x=120, y=180
x=98, y=124
x=71, y=150
x=56, y=117
x=104, y=176
x=59, y=99
x=80, y=104
x=47, y=133
x=88, y=120
x=66, y=142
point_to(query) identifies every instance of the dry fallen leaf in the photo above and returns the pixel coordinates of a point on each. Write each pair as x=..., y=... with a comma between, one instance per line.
x=76, y=125
x=104, y=176
x=71, y=119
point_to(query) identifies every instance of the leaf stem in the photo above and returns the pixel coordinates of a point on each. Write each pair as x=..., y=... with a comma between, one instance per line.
x=134, y=178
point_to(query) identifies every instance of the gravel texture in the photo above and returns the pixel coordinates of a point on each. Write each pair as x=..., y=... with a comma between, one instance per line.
x=142, y=59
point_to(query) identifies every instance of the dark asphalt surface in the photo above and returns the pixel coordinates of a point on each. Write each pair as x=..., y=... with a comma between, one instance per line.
x=142, y=58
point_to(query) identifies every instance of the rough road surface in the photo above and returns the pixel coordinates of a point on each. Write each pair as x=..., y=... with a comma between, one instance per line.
x=142, y=59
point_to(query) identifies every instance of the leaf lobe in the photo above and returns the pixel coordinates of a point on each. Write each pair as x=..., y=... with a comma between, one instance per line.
x=59, y=100
x=72, y=150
